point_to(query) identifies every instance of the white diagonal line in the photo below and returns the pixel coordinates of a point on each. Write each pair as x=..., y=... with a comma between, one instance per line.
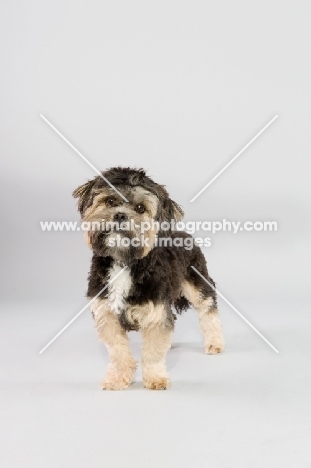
x=83, y=157
x=236, y=311
x=82, y=310
x=233, y=159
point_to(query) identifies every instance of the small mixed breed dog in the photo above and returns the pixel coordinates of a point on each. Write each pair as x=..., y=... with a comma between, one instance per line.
x=154, y=279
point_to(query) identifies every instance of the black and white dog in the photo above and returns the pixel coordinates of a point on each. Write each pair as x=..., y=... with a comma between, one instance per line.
x=145, y=271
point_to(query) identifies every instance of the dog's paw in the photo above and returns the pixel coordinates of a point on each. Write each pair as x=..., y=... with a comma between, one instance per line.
x=115, y=384
x=214, y=348
x=118, y=380
x=157, y=383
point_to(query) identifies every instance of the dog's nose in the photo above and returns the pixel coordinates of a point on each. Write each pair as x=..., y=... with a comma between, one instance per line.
x=120, y=217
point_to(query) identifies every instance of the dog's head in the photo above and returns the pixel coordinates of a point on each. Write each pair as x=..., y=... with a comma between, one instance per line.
x=125, y=230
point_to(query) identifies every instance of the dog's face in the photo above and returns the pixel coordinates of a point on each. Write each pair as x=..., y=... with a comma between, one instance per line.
x=125, y=230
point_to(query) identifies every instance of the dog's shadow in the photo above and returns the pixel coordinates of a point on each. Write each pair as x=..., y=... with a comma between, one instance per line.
x=178, y=349
x=195, y=347
x=175, y=353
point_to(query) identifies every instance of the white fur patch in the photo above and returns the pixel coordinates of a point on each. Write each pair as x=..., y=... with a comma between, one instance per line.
x=119, y=289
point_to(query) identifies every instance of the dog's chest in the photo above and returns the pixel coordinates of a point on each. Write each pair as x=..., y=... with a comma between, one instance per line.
x=118, y=288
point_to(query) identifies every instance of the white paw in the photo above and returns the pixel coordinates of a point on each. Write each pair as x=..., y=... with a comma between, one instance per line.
x=118, y=380
x=215, y=348
x=157, y=383
x=115, y=384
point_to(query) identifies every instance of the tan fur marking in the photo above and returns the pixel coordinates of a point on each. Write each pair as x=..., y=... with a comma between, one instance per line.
x=151, y=234
x=93, y=212
x=146, y=314
x=191, y=293
x=87, y=238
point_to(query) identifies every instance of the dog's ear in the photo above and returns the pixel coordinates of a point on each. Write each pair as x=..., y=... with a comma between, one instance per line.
x=83, y=194
x=169, y=210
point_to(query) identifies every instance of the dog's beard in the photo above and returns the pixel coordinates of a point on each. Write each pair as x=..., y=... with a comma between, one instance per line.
x=123, y=246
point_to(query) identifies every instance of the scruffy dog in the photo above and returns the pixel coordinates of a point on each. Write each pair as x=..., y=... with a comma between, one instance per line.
x=138, y=283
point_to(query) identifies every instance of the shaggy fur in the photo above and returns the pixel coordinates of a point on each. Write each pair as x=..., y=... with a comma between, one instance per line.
x=156, y=279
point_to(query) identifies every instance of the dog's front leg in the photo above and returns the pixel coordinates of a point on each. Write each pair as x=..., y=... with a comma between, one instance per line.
x=157, y=339
x=122, y=366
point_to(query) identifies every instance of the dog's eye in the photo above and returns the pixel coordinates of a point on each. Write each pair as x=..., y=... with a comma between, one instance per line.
x=140, y=209
x=110, y=201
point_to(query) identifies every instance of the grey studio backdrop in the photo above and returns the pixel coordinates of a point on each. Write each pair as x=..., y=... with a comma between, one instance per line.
x=177, y=88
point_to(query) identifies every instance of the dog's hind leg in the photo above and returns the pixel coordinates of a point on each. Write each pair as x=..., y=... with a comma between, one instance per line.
x=204, y=301
x=122, y=366
x=210, y=326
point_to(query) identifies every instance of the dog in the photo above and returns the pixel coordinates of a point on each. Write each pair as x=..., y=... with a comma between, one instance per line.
x=135, y=285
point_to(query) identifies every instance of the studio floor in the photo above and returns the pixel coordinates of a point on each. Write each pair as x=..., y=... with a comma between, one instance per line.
x=248, y=407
